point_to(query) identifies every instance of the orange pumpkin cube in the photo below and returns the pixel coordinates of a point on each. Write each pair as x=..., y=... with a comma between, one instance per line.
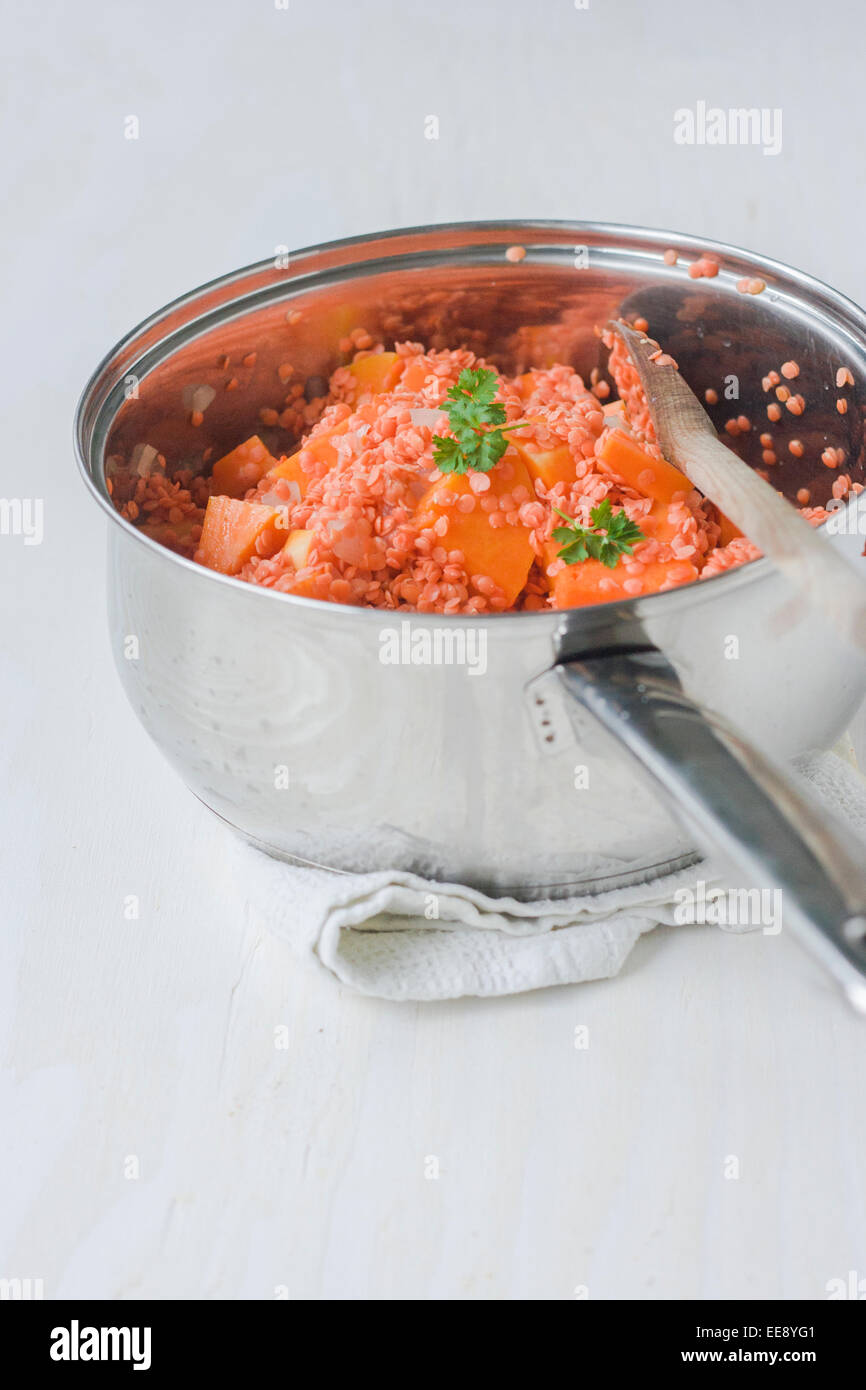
x=550, y=466
x=656, y=478
x=414, y=376
x=590, y=581
x=376, y=373
x=298, y=547
x=234, y=531
x=236, y=472
x=525, y=384
x=503, y=553
x=323, y=451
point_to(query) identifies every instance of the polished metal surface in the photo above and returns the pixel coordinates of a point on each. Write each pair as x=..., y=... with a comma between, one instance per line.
x=280, y=713
x=754, y=818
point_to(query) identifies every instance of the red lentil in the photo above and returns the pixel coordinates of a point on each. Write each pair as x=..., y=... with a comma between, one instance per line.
x=841, y=486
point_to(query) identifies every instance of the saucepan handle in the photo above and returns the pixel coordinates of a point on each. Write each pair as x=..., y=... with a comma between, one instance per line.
x=733, y=801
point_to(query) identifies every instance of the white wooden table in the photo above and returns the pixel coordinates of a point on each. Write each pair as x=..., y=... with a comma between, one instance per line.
x=156, y=1142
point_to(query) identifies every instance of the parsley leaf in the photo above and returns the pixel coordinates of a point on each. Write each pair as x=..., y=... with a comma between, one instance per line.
x=491, y=447
x=475, y=419
x=609, y=535
x=449, y=455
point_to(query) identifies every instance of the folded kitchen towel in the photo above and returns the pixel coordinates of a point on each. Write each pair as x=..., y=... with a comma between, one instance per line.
x=397, y=936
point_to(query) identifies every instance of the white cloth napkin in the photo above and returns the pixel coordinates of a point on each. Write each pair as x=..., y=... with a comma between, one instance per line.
x=374, y=932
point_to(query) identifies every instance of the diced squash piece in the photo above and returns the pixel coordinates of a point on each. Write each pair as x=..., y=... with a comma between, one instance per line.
x=657, y=525
x=591, y=582
x=291, y=468
x=550, y=466
x=526, y=384
x=414, y=376
x=317, y=585
x=503, y=553
x=653, y=477
x=322, y=449
x=376, y=373
x=316, y=582
x=234, y=531
x=314, y=585
x=236, y=472
x=298, y=546
x=616, y=407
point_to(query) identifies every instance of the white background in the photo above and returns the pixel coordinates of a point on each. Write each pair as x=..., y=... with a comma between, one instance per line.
x=304, y=1167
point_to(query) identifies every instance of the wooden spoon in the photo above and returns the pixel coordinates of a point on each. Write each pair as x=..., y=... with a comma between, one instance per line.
x=687, y=438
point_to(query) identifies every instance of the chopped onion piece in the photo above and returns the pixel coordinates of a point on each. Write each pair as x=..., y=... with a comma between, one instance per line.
x=425, y=415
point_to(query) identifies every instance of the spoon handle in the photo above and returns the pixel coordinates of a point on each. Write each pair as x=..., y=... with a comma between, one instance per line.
x=735, y=803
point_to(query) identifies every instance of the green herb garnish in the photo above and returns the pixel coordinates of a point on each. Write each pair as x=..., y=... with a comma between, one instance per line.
x=608, y=536
x=475, y=418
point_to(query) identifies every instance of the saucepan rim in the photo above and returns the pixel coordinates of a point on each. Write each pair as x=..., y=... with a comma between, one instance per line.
x=634, y=608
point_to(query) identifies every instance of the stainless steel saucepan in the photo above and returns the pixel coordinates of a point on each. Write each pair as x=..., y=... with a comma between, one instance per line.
x=530, y=753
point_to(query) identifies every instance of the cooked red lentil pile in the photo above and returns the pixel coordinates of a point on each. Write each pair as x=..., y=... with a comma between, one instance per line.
x=579, y=508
